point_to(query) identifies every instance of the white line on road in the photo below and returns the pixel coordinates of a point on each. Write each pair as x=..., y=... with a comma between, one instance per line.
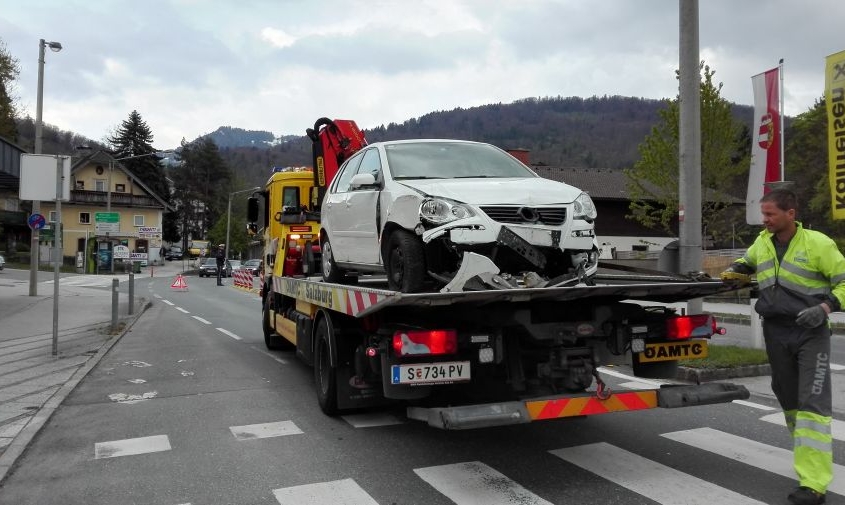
x=227, y=332
x=639, y=474
x=157, y=295
x=474, y=482
x=837, y=368
x=280, y=360
x=756, y=454
x=265, y=430
x=131, y=446
x=614, y=373
x=169, y=302
x=753, y=405
x=204, y=321
x=180, y=309
x=837, y=427
x=345, y=491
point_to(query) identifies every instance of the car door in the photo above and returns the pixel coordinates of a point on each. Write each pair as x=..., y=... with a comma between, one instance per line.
x=335, y=216
x=362, y=204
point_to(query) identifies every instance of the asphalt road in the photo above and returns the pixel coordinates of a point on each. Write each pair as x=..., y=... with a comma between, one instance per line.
x=189, y=407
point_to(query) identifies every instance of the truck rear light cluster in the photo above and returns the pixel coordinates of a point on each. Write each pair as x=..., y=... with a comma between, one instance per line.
x=425, y=342
x=293, y=257
x=684, y=327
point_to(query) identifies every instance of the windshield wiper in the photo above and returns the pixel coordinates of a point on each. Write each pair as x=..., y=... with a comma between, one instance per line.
x=406, y=177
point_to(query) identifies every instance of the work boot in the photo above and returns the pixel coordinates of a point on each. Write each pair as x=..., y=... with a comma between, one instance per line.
x=805, y=496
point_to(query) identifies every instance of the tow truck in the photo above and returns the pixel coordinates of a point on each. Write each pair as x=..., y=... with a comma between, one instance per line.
x=470, y=359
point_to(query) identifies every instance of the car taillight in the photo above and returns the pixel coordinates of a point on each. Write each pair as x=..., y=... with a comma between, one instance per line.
x=684, y=327
x=425, y=343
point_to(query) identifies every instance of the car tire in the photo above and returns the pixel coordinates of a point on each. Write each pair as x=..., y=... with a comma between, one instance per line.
x=325, y=375
x=330, y=271
x=405, y=262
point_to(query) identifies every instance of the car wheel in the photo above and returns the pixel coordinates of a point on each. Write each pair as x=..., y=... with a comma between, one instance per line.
x=405, y=262
x=331, y=272
x=325, y=375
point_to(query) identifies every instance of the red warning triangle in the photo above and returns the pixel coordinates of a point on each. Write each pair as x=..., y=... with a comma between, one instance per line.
x=179, y=283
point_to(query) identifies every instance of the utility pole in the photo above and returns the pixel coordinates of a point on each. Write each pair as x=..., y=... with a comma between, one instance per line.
x=689, y=191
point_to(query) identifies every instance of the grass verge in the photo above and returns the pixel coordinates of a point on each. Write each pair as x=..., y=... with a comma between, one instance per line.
x=728, y=356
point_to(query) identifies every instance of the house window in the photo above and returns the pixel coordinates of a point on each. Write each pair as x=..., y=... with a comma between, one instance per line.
x=80, y=185
x=52, y=217
x=99, y=184
x=85, y=218
x=139, y=220
x=120, y=188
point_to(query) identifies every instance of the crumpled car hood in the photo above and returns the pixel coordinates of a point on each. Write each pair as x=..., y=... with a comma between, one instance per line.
x=505, y=191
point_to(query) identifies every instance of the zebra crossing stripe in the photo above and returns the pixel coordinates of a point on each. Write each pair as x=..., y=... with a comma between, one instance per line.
x=756, y=454
x=640, y=475
x=345, y=491
x=837, y=427
x=474, y=483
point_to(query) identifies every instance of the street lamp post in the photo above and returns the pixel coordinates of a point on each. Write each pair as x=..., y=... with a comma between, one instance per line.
x=229, y=214
x=36, y=205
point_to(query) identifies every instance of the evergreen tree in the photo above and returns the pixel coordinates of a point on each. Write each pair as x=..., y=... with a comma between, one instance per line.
x=134, y=138
x=9, y=71
x=653, y=180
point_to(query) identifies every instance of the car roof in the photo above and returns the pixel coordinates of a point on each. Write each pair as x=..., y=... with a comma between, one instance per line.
x=424, y=141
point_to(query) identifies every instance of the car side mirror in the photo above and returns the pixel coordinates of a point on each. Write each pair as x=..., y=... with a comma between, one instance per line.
x=361, y=180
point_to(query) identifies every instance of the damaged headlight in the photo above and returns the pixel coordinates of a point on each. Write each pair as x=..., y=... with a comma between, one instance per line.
x=441, y=210
x=584, y=207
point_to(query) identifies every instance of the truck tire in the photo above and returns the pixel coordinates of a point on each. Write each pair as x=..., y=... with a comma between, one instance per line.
x=405, y=262
x=331, y=272
x=325, y=375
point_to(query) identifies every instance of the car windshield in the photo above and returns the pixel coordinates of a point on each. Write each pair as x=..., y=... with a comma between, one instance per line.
x=210, y=261
x=451, y=160
x=235, y=263
x=251, y=263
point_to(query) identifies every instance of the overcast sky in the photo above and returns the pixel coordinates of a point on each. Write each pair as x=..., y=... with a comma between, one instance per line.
x=191, y=66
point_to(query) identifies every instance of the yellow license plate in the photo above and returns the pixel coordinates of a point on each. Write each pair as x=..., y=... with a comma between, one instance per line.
x=689, y=349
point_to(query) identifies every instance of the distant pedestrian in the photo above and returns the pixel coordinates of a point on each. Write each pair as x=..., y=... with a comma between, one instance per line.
x=221, y=262
x=801, y=278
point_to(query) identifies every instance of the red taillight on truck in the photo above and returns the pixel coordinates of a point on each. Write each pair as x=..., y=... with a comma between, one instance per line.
x=425, y=343
x=684, y=327
x=293, y=257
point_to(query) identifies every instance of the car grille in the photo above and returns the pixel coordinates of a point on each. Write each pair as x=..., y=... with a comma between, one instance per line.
x=551, y=216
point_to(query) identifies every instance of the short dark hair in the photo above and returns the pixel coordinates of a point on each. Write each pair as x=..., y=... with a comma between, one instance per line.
x=784, y=199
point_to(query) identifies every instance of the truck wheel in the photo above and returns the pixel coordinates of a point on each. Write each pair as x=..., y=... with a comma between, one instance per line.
x=405, y=262
x=331, y=272
x=325, y=375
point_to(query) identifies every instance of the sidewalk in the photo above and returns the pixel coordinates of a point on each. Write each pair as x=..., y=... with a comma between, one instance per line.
x=33, y=382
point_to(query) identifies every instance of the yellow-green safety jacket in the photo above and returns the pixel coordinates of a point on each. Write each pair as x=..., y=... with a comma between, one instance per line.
x=812, y=271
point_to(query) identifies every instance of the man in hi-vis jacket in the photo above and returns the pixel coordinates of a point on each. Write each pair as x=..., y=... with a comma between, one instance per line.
x=801, y=277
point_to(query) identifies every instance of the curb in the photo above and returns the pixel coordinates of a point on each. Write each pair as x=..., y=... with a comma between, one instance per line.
x=699, y=375
x=20, y=443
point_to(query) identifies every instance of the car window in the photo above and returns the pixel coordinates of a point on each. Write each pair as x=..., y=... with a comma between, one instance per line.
x=371, y=164
x=348, y=169
x=451, y=160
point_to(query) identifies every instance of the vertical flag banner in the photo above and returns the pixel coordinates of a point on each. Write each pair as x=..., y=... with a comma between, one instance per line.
x=765, y=144
x=834, y=95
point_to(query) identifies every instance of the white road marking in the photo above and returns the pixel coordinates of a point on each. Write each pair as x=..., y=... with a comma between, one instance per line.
x=227, y=332
x=204, y=321
x=265, y=430
x=474, y=483
x=129, y=399
x=180, y=309
x=280, y=360
x=346, y=492
x=156, y=294
x=754, y=405
x=136, y=381
x=620, y=375
x=756, y=454
x=371, y=419
x=640, y=475
x=837, y=427
x=636, y=385
x=131, y=446
x=837, y=368
x=169, y=302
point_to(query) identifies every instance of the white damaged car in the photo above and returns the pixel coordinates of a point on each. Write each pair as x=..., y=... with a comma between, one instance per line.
x=454, y=215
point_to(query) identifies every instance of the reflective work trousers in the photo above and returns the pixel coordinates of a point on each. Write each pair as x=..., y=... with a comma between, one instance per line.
x=800, y=360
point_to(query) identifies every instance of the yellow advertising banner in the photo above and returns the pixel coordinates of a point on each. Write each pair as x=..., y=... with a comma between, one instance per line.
x=835, y=103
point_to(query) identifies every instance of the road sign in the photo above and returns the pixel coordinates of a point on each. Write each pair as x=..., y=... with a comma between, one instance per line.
x=149, y=232
x=106, y=222
x=36, y=222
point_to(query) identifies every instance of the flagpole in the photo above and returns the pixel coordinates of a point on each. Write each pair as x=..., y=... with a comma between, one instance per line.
x=780, y=113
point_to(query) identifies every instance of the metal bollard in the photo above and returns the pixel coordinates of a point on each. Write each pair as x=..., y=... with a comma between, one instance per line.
x=114, y=291
x=131, y=292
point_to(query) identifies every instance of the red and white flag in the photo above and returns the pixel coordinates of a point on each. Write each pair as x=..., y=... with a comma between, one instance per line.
x=765, y=144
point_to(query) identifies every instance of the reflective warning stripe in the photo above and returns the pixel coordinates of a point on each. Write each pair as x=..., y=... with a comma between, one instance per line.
x=590, y=405
x=358, y=301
